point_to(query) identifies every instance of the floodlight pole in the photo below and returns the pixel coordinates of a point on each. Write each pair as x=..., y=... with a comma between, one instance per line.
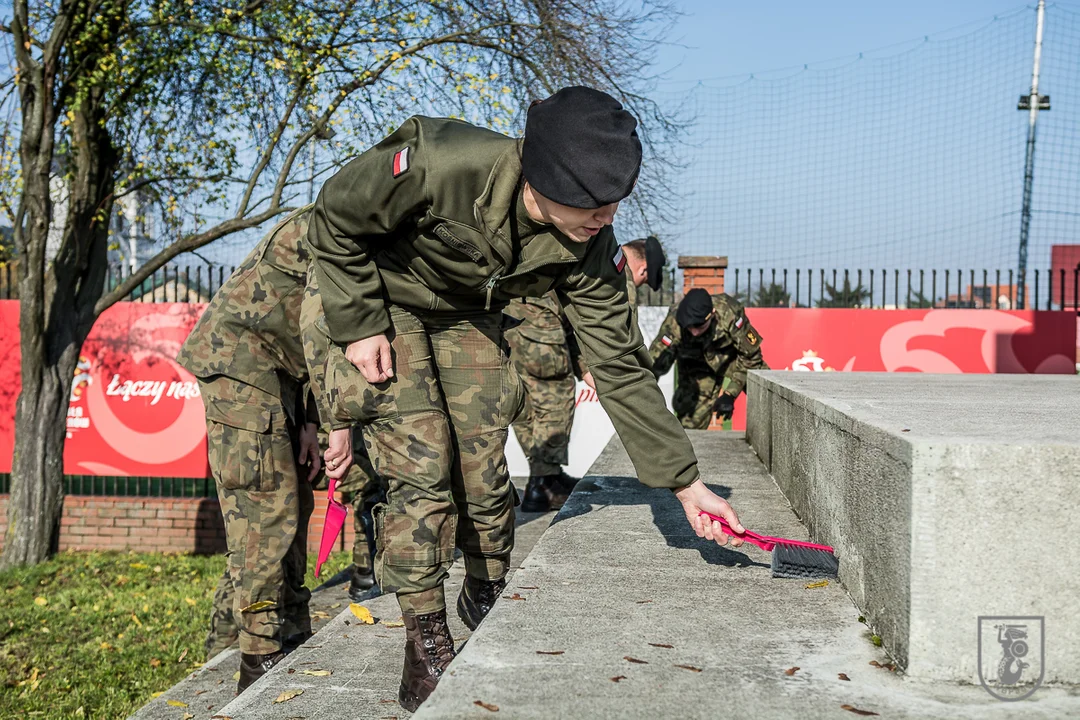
x=1033, y=103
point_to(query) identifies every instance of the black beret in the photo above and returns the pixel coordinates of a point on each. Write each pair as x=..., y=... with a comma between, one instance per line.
x=654, y=262
x=694, y=309
x=581, y=148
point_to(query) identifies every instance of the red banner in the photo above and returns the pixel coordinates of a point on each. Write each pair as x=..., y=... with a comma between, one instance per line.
x=932, y=341
x=134, y=411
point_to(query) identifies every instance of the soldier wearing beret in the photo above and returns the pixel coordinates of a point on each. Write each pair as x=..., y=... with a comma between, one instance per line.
x=418, y=245
x=712, y=344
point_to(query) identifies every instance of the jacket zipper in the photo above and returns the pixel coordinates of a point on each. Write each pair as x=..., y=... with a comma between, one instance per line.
x=496, y=276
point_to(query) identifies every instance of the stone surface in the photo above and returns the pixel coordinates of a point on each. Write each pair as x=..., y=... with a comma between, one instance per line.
x=948, y=497
x=620, y=574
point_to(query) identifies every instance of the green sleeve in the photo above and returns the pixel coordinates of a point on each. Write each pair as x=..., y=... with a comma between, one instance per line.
x=594, y=295
x=664, y=345
x=359, y=208
x=747, y=343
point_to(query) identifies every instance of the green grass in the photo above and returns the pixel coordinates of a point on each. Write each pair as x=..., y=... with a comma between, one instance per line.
x=95, y=635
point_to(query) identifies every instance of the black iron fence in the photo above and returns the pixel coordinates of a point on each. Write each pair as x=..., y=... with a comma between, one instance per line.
x=991, y=289
x=100, y=485
x=172, y=283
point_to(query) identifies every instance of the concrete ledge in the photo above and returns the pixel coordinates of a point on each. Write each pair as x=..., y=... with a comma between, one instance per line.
x=948, y=497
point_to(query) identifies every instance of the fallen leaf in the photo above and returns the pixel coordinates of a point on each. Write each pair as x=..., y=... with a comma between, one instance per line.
x=528, y=587
x=182, y=656
x=287, y=695
x=842, y=676
x=387, y=702
x=155, y=663
x=187, y=716
x=663, y=645
x=857, y=711
x=201, y=692
x=487, y=706
x=335, y=606
x=642, y=602
x=316, y=673
x=515, y=596
x=689, y=667
x=617, y=678
x=550, y=652
x=236, y=675
x=818, y=584
x=40, y=601
x=139, y=566
x=176, y=703
x=362, y=614
x=791, y=671
x=291, y=671
x=635, y=660
x=261, y=605
x=221, y=717
x=394, y=623
x=157, y=694
x=190, y=601
x=320, y=614
x=135, y=619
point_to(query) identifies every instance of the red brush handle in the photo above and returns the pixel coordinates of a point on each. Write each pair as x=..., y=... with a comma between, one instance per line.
x=330, y=488
x=765, y=542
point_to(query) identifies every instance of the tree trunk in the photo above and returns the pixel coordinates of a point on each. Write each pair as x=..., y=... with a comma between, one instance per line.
x=37, y=467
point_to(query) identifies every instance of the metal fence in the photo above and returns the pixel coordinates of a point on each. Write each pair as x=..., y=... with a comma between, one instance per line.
x=101, y=485
x=893, y=289
x=172, y=283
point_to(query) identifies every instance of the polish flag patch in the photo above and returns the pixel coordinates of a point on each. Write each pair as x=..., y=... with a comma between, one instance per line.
x=739, y=322
x=619, y=260
x=401, y=162
x=666, y=341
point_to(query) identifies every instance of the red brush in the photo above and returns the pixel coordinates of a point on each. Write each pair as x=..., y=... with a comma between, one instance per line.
x=790, y=558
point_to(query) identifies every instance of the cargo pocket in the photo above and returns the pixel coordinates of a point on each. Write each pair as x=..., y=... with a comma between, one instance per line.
x=237, y=436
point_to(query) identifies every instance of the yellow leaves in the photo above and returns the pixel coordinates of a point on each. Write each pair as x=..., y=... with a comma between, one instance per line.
x=176, y=703
x=402, y=43
x=106, y=646
x=395, y=56
x=40, y=601
x=393, y=624
x=362, y=614
x=316, y=673
x=189, y=601
x=139, y=566
x=816, y=585
x=135, y=619
x=261, y=605
x=287, y=695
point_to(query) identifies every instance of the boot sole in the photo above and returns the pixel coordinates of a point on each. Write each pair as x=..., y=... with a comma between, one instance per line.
x=408, y=700
x=528, y=507
x=465, y=617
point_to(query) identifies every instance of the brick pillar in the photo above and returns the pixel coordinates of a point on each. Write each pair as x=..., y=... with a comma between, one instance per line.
x=707, y=272
x=703, y=271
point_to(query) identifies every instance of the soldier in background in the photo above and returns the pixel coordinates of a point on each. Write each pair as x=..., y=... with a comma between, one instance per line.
x=262, y=444
x=712, y=344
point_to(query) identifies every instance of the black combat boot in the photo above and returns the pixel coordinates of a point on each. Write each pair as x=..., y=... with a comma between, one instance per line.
x=543, y=493
x=476, y=599
x=360, y=582
x=253, y=667
x=293, y=642
x=566, y=482
x=428, y=651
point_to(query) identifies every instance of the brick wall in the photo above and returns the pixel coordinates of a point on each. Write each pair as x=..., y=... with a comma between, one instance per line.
x=157, y=524
x=703, y=271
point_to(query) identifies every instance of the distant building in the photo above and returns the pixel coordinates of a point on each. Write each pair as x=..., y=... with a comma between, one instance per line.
x=998, y=297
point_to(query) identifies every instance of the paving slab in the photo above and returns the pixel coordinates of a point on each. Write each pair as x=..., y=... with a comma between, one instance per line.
x=625, y=613
x=951, y=498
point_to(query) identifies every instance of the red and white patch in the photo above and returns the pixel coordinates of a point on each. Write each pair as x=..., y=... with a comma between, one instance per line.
x=619, y=260
x=401, y=162
x=739, y=322
x=666, y=340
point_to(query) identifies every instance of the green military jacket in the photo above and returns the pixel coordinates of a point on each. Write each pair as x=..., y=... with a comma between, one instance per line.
x=726, y=351
x=250, y=332
x=427, y=219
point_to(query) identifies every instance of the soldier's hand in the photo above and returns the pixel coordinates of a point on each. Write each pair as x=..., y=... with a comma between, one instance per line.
x=724, y=407
x=695, y=497
x=371, y=356
x=588, y=380
x=309, y=449
x=338, y=454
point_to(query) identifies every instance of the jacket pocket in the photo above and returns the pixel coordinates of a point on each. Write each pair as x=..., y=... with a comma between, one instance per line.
x=449, y=238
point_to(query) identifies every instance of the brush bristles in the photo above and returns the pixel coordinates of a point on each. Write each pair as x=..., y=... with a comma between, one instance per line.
x=792, y=561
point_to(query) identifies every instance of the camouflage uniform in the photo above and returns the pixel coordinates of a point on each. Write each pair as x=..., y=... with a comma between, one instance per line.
x=542, y=354
x=362, y=483
x=714, y=361
x=425, y=238
x=247, y=353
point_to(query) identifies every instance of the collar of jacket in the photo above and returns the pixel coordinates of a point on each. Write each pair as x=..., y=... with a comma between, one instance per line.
x=492, y=213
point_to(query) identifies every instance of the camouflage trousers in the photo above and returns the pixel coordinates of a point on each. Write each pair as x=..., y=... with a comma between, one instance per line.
x=252, y=449
x=693, y=401
x=543, y=430
x=437, y=432
x=363, y=484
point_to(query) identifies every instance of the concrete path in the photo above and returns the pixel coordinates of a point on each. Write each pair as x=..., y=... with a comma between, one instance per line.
x=625, y=613
x=365, y=660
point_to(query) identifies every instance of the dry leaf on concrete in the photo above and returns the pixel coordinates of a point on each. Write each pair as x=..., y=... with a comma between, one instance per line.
x=689, y=667
x=176, y=703
x=842, y=676
x=617, y=678
x=857, y=711
x=316, y=673
x=791, y=671
x=362, y=614
x=487, y=706
x=663, y=645
x=550, y=652
x=515, y=596
x=635, y=660
x=287, y=695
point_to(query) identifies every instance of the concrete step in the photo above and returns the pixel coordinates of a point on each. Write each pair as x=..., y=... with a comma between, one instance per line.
x=203, y=692
x=627, y=614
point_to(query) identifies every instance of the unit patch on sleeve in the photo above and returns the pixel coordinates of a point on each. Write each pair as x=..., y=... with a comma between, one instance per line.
x=739, y=322
x=619, y=260
x=666, y=341
x=401, y=162
x=751, y=337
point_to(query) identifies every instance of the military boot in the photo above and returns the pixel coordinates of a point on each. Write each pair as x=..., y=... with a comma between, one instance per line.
x=476, y=599
x=253, y=667
x=543, y=493
x=566, y=482
x=293, y=642
x=361, y=580
x=428, y=651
